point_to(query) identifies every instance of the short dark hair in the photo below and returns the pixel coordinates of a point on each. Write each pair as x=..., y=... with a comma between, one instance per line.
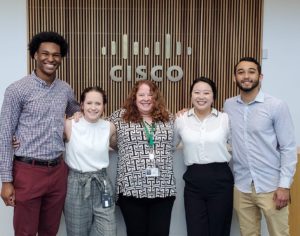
x=50, y=36
x=209, y=82
x=250, y=59
x=96, y=89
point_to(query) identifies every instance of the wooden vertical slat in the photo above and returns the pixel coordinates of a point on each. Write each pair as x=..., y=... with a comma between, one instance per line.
x=219, y=33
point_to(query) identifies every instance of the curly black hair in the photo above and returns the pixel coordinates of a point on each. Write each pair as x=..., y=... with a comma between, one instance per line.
x=50, y=36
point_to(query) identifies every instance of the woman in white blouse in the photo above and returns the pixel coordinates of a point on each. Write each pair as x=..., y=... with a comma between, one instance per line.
x=208, y=193
x=89, y=202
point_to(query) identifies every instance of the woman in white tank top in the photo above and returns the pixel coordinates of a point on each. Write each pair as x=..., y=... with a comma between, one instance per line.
x=89, y=201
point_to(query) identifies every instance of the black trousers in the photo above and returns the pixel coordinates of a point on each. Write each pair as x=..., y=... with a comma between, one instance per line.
x=145, y=216
x=208, y=199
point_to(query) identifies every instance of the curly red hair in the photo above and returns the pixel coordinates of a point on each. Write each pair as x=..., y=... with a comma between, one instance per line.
x=159, y=112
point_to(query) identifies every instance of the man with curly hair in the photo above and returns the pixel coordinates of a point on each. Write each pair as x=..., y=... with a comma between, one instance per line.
x=34, y=176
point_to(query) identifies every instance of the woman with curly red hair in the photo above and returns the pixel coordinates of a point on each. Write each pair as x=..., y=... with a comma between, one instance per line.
x=145, y=178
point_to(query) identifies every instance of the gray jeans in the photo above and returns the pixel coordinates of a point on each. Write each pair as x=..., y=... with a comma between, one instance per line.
x=83, y=207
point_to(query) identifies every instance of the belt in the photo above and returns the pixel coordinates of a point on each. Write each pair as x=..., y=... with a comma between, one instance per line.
x=39, y=162
x=86, y=178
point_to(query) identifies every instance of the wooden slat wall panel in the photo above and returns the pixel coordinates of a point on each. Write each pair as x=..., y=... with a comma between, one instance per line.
x=218, y=31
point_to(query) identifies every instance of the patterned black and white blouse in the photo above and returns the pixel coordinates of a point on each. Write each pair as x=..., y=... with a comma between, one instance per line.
x=134, y=159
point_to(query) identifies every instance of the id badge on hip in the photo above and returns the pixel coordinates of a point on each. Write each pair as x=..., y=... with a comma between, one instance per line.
x=106, y=200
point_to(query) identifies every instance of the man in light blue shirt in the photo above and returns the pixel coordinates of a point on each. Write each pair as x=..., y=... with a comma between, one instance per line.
x=264, y=153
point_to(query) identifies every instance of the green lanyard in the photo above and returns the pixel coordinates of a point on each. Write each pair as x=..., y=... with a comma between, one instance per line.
x=149, y=134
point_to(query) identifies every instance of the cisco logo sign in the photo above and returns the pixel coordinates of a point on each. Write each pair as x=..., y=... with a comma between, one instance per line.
x=174, y=73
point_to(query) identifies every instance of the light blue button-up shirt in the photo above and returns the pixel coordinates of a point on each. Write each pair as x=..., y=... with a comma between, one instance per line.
x=263, y=143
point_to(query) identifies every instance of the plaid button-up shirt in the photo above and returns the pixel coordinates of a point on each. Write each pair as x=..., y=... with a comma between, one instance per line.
x=34, y=112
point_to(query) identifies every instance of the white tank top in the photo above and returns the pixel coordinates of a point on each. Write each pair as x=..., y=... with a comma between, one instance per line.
x=88, y=147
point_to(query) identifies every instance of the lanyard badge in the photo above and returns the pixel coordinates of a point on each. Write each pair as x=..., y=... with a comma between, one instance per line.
x=149, y=130
x=106, y=198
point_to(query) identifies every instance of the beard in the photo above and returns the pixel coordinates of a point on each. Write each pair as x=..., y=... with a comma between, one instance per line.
x=249, y=89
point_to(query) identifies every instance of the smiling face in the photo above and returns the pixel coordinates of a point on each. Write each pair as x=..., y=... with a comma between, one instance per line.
x=247, y=76
x=48, y=59
x=144, y=101
x=202, y=97
x=92, y=106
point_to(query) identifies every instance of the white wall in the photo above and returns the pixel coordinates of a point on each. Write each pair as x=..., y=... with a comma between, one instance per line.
x=13, y=63
x=281, y=38
x=13, y=31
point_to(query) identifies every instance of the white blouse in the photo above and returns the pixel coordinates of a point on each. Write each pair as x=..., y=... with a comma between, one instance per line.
x=88, y=147
x=203, y=141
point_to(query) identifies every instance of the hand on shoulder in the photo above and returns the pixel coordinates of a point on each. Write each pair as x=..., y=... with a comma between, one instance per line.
x=181, y=112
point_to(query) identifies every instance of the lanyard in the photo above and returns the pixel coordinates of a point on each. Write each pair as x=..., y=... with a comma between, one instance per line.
x=149, y=133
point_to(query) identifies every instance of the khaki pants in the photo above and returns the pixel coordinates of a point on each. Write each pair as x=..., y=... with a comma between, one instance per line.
x=248, y=207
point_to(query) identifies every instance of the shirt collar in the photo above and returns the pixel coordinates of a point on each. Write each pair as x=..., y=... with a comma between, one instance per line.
x=213, y=112
x=260, y=97
x=42, y=82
